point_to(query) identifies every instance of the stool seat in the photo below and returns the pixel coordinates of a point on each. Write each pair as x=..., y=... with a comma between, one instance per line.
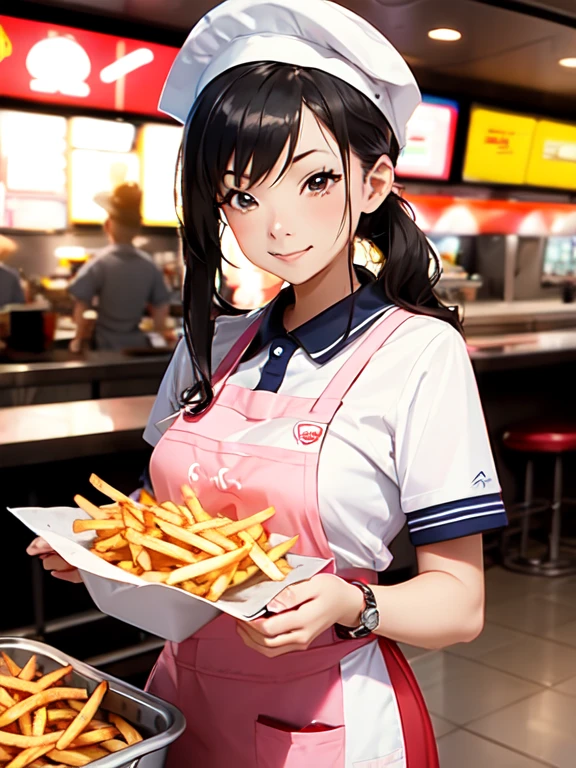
x=541, y=438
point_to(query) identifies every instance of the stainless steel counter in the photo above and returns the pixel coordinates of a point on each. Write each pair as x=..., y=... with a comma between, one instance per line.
x=527, y=350
x=92, y=367
x=36, y=434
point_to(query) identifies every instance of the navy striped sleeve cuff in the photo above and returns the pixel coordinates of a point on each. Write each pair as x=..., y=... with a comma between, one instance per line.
x=455, y=519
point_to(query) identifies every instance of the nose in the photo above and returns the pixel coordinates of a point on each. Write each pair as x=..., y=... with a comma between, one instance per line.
x=278, y=229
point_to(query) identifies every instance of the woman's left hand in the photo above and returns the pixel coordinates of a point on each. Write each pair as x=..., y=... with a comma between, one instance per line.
x=303, y=611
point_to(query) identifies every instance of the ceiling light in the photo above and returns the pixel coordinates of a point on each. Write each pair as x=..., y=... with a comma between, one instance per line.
x=446, y=35
x=571, y=62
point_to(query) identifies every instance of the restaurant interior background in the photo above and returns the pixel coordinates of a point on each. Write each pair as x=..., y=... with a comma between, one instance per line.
x=489, y=169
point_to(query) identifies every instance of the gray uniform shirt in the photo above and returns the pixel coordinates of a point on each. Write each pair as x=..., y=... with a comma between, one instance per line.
x=125, y=280
x=10, y=289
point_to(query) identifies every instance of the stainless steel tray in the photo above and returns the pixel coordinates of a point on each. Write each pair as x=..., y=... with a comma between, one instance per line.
x=160, y=723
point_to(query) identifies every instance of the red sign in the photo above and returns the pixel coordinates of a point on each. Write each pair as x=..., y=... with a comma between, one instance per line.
x=52, y=64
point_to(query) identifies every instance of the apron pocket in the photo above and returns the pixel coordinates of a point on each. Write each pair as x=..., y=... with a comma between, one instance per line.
x=276, y=748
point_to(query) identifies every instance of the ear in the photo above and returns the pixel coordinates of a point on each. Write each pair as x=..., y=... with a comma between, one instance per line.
x=378, y=184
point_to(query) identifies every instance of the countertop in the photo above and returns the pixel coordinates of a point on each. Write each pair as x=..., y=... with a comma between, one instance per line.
x=63, y=368
x=34, y=434
x=525, y=350
x=482, y=313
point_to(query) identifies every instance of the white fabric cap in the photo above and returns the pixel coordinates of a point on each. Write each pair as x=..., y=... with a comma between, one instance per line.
x=308, y=33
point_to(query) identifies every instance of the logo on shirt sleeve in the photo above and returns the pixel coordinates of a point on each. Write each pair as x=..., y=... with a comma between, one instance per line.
x=481, y=481
x=307, y=433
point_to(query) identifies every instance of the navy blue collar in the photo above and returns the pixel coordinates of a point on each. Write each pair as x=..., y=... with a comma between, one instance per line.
x=324, y=336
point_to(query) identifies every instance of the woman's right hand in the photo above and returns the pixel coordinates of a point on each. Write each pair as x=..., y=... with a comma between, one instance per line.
x=59, y=568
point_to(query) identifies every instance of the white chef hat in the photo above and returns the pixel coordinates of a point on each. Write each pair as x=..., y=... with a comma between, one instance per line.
x=308, y=33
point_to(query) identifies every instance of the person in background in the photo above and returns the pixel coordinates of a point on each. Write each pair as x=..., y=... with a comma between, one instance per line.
x=123, y=278
x=11, y=291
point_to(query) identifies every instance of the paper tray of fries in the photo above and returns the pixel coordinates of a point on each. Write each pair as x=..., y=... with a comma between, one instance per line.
x=159, y=608
x=120, y=726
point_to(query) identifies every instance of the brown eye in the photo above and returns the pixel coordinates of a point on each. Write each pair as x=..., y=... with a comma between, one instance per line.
x=242, y=201
x=318, y=183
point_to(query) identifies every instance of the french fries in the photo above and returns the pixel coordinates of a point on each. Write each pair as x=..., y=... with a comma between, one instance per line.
x=180, y=545
x=50, y=724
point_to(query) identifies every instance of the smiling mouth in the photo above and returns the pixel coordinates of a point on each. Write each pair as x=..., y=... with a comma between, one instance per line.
x=290, y=256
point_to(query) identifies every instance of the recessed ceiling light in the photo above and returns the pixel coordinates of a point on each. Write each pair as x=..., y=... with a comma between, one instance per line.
x=446, y=35
x=571, y=63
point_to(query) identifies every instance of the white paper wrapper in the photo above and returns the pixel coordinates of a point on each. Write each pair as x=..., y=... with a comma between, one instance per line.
x=168, y=612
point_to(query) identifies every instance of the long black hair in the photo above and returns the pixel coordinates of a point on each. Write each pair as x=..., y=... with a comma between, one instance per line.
x=250, y=113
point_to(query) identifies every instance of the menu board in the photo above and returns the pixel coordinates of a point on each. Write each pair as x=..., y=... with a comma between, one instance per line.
x=499, y=145
x=430, y=140
x=159, y=148
x=93, y=171
x=553, y=158
x=32, y=171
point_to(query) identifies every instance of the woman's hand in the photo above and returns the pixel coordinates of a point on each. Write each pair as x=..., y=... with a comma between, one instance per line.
x=304, y=611
x=52, y=562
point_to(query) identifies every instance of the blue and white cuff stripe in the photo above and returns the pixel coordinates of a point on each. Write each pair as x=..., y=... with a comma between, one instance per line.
x=455, y=519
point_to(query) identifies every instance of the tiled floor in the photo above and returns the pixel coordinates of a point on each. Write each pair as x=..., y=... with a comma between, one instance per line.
x=508, y=700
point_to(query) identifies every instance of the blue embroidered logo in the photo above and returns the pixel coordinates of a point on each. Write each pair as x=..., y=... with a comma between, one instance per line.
x=481, y=480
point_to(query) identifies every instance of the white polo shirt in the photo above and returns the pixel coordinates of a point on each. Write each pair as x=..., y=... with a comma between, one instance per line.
x=409, y=443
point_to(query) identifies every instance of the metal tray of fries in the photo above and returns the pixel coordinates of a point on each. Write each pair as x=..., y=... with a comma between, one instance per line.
x=159, y=723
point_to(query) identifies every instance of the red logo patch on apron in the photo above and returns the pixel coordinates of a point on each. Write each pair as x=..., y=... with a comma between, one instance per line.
x=307, y=433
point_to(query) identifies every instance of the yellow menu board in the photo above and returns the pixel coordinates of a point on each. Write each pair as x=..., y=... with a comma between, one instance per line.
x=553, y=157
x=159, y=147
x=499, y=145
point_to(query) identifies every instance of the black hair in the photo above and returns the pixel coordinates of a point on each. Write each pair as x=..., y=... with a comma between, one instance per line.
x=251, y=113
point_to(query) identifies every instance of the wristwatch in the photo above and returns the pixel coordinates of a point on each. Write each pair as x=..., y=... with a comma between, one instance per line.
x=369, y=618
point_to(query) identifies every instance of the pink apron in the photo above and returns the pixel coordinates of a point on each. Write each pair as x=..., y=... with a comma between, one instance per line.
x=220, y=684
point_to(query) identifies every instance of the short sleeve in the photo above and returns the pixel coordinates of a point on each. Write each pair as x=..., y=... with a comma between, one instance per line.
x=16, y=291
x=177, y=378
x=179, y=375
x=87, y=283
x=159, y=292
x=446, y=473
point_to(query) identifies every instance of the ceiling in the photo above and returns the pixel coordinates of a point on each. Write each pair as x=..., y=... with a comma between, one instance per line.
x=501, y=50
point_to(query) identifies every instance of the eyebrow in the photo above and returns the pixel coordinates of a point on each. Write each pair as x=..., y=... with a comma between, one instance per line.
x=295, y=160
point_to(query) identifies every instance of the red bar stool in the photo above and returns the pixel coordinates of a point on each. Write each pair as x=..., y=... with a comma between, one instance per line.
x=537, y=439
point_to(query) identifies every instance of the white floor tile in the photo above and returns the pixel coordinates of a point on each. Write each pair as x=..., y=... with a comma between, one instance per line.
x=568, y=687
x=411, y=652
x=474, y=691
x=464, y=750
x=565, y=633
x=535, y=614
x=542, y=726
x=437, y=666
x=541, y=661
x=493, y=637
x=441, y=726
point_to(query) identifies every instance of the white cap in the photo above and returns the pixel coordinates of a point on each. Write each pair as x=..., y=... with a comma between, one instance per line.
x=308, y=33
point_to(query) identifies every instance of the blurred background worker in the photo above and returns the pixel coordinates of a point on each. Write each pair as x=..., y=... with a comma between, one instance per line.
x=124, y=280
x=11, y=291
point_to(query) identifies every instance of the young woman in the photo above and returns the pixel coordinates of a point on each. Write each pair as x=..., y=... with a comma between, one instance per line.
x=348, y=403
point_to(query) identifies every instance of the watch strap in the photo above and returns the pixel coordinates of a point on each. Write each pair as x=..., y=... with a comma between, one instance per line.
x=354, y=633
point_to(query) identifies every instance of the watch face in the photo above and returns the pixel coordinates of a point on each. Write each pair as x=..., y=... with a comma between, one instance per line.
x=370, y=619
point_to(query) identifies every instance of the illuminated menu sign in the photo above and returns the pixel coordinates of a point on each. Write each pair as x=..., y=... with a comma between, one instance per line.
x=53, y=64
x=159, y=147
x=32, y=171
x=499, y=145
x=430, y=140
x=553, y=157
x=94, y=171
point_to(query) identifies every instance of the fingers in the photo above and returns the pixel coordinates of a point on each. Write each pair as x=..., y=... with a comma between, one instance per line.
x=55, y=563
x=73, y=576
x=293, y=596
x=270, y=652
x=39, y=547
